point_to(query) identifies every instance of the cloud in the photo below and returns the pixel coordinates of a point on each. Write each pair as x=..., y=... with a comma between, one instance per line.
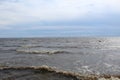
x=14, y=11
x=59, y=14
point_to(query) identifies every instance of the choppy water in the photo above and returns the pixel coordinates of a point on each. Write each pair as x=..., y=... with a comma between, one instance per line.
x=81, y=55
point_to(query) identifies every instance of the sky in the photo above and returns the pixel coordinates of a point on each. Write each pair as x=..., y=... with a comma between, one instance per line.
x=59, y=18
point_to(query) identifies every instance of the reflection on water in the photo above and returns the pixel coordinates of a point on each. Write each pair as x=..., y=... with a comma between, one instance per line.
x=81, y=55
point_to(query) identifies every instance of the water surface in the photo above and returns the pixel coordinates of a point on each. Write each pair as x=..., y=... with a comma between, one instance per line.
x=80, y=55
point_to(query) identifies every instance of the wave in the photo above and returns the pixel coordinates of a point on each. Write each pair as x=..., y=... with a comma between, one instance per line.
x=47, y=46
x=41, y=51
x=39, y=73
x=33, y=46
x=47, y=73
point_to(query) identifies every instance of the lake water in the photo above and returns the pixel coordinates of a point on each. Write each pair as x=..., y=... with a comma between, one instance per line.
x=80, y=55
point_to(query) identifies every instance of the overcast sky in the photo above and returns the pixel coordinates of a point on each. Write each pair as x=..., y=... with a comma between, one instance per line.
x=59, y=18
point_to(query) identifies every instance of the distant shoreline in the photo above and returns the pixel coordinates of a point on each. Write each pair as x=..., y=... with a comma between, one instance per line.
x=61, y=37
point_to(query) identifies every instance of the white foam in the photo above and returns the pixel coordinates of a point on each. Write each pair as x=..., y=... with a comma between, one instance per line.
x=40, y=51
x=112, y=78
x=108, y=65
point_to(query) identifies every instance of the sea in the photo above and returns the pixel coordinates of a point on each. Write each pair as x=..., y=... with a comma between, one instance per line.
x=85, y=55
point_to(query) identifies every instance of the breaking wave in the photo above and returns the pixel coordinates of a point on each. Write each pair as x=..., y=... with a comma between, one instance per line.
x=47, y=73
x=41, y=51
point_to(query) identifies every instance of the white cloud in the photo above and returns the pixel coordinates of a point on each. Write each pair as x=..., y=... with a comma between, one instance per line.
x=51, y=10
